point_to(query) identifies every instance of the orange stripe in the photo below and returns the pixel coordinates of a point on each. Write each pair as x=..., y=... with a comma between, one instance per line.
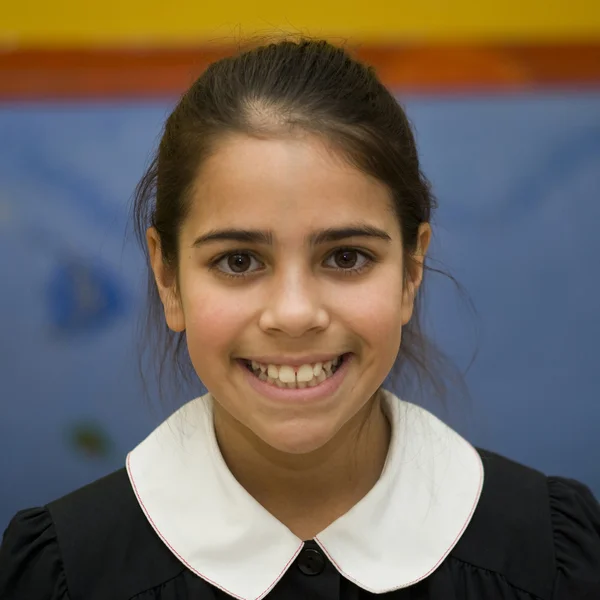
x=123, y=73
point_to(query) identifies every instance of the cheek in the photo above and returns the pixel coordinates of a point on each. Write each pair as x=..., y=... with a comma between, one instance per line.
x=373, y=308
x=213, y=319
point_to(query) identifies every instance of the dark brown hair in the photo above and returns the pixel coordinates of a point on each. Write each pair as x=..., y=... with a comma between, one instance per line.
x=270, y=90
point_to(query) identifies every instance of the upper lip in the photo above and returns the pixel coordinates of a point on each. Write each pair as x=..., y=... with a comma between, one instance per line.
x=293, y=361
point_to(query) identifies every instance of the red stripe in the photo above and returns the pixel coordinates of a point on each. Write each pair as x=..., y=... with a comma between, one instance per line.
x=80, y=74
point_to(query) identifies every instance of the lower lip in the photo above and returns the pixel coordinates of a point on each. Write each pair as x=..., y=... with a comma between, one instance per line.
x=321, y=391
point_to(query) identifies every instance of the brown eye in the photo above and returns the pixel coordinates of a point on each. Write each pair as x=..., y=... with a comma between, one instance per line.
x=346, y=259
x=239, y=263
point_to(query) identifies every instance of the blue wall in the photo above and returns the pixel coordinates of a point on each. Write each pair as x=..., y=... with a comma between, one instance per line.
x=518, y=181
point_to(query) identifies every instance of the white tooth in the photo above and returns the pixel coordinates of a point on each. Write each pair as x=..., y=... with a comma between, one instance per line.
x=322, y=377
x=302, y=384
x=291, y=385
x=271, y=380
x=279, y=383
x=286, y=374
x=273, y=371
x=336, y=361
x=254, y=365
x=305, y=373
x=317, y=369
x=262, y=377
x=263, y=368
x=327, y=365
x=312, y=383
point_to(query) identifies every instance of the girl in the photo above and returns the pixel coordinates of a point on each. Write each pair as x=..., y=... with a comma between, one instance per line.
x=287, y=224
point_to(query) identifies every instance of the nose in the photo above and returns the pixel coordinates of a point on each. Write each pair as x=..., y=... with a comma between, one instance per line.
x=294, y=305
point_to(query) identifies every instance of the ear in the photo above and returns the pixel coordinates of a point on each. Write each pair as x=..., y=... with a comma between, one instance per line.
x=415, y=272
x=166, y=282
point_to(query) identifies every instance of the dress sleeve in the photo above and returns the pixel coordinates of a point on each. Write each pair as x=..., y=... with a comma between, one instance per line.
x=576, y=523
x=30, y=562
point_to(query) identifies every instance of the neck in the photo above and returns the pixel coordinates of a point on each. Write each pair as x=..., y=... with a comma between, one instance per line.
x=307, y=492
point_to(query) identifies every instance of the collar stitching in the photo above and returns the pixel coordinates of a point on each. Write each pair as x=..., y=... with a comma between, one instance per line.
x=434, y=567
x=165, y=541
x=287, y=566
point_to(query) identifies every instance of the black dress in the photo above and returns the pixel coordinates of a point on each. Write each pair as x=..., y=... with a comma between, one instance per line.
x=526, y=536
x=531, y=538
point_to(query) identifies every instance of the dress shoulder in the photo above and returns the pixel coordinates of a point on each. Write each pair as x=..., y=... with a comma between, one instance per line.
x=31, y=566
x=510, y=533
x=102, y=546
x=536, y=534
x=575, y=515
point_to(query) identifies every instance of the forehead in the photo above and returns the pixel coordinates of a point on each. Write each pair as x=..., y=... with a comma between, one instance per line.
x=276, y=182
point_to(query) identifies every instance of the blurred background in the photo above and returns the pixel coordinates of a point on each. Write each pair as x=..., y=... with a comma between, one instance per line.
x=505, y=100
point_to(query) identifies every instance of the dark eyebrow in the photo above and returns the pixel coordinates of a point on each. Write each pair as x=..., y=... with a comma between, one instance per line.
x=245, y=236
x=255, y=236
x=338, y=234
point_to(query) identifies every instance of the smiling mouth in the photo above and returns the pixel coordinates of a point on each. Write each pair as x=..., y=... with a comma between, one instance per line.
x=286, y=376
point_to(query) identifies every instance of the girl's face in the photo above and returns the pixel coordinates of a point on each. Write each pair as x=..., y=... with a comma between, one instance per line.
x=292, y=259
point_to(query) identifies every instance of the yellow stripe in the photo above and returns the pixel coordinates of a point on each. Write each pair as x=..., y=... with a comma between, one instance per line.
x=178, y=22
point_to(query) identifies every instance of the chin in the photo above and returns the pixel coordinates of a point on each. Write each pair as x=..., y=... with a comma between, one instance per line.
x=302, y=438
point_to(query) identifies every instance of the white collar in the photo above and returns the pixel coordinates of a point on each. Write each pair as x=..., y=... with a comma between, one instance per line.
x=397, y=535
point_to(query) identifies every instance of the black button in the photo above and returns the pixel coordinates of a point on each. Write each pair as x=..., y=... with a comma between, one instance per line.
x=311, y=561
